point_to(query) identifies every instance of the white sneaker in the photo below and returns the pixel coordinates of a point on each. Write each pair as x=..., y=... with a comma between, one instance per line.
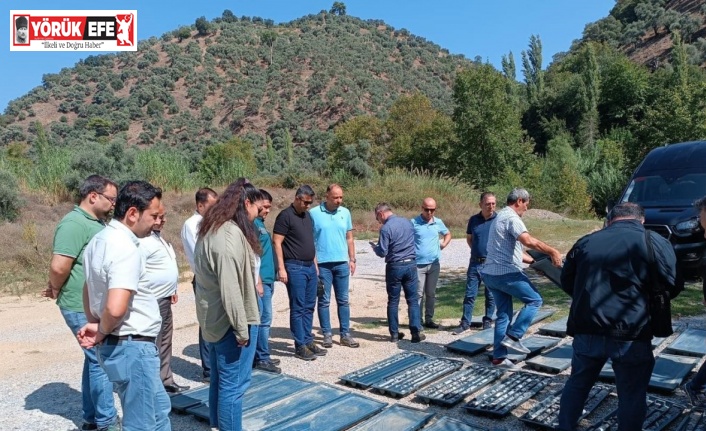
x=514, y=345
x=507, y=364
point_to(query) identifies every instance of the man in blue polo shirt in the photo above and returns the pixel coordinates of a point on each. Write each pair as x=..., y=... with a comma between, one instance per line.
x=477, y=234
x=430, y=237
x=335, y=255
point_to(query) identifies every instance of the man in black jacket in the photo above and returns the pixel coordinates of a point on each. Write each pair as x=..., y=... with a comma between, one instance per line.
x=607, y=275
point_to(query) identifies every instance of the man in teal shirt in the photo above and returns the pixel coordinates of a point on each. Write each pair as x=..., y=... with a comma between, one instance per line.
x=430, y=237
x=263, y=361
x=66, y=280
x=335, y=255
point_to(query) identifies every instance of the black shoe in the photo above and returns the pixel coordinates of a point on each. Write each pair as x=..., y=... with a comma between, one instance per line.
x=487, y=323
x=275, y=361
x=89, y=427
x=418, y=338
x=318, y=351
x=206, y=377
x=396, y=337
x=431, y=325
x=304, y=353
x=175, y=388
x=268, y=366
x=328, y=341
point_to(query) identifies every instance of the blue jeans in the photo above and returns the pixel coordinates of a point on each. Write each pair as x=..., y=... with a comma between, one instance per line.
x=504, y=288
x=232, y=370
x=133, y=367
x=632, y=362
x=336, y=274
x=473, y=281
x=301, y=287
x=262, y=348
x=203, y=346
x=96, y=389
x=402, y=277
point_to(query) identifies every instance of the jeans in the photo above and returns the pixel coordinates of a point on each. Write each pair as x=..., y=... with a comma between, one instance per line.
x=473, y=281
x=428, y=276
x=632, y=362
x=336, y=274
x=96, y=389
x=262, y=347
x=402, y=277
x=301, y=287
x=232, y=370
x=504, y=288
x=133, y=367
x=203, y=346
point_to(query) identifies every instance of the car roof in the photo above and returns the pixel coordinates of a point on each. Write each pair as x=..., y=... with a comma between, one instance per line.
x=674, y=156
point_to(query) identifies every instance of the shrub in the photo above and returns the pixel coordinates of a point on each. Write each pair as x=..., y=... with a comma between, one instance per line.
x=10, y=202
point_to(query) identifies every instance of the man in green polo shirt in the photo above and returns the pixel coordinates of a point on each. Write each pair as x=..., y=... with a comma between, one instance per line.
x=66, y=280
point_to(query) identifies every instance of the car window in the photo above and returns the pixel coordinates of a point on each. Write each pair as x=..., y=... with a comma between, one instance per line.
x=667, y=189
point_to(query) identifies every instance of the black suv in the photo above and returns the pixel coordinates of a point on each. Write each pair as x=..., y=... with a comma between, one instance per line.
x=666, y=184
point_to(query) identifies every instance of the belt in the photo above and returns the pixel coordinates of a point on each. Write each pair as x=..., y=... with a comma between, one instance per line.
x=300, y=262
x=403, y=261
x=479, y=259
x=116, y=339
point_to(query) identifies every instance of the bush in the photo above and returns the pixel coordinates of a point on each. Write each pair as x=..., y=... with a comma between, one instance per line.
x=10, y=202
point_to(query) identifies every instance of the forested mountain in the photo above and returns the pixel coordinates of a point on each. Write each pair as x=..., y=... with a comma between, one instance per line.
x=239, y=76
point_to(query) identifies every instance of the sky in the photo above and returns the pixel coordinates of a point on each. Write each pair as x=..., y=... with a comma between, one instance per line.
x=485, y=28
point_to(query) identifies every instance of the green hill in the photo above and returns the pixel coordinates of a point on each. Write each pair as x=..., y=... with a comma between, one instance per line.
x=237, y=77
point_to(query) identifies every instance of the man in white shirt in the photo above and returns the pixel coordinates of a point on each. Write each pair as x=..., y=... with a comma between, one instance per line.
x=205, y=198
x=123, y=316
x=162, y=277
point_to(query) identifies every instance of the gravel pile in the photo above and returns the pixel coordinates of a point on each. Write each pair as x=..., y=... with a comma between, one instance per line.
x=40, y=385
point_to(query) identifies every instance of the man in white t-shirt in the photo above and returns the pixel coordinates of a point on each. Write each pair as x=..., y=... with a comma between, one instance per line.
x=502, y=273
x=205, y=198
x=161, y=277
x=123, y=315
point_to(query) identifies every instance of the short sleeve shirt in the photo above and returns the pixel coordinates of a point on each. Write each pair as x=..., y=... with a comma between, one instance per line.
x=113, y=261
x=426, y=239
x=298, y=232
x=161, y=269
x=72, y=234
x=504, y=250
x=330, y=230
x=267, y=263
x=479, y=229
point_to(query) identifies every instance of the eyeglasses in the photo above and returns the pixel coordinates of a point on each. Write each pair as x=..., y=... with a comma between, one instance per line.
x=111, y=199
x=429, y=210
x=306, y=203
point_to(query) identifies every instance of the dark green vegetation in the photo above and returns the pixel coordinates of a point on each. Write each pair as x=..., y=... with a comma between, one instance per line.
x=336, y=98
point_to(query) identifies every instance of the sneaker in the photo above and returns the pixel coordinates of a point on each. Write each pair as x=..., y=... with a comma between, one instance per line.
x=504, y=363
x=115, y=427
x=304, y=353
x=460, y=329
x=268, y=366
x=487, y=323
x=514, y=345
x=348, y=341
x=418, y=338
x=318, y=351
x=396, y=337
x=431, y=325
x=275, y=361
x=328, y=341
x=696, y=398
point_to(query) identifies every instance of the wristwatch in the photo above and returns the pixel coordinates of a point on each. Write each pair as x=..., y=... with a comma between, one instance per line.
x=352, y=260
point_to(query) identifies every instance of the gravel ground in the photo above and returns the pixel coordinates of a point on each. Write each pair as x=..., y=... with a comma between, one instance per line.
x=41, y=372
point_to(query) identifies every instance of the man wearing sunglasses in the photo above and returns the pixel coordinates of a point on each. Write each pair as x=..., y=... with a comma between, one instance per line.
x=430, y=237
x=66, y=279
x=296, y=267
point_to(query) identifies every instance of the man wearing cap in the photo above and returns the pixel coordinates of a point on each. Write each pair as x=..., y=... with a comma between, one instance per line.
x=21, y=33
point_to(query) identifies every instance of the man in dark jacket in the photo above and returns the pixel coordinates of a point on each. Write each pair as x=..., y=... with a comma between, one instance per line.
x=607, y=275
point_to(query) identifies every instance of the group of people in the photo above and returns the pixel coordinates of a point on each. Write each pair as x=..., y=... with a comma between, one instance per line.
x=115, y=284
